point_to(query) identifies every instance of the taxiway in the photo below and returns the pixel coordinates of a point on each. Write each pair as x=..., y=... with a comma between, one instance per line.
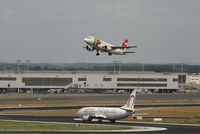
x=171, y=128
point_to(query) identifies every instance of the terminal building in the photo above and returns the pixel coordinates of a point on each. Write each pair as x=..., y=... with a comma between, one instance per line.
x=99, y=81
x=193, y=79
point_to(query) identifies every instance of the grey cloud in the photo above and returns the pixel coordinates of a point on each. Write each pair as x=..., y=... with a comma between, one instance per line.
x=53, y=30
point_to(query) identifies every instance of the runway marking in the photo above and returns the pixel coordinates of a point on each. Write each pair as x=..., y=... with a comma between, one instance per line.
x=175, y=124
x=139, y=128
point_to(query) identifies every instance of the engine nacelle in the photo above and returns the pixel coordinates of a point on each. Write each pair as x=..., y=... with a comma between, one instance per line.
x=87, y=118
x=107, y=48
x=89, y=48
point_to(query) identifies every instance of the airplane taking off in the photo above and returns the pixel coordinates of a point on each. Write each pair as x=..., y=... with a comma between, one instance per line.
x=108, y=113
x=99, y=45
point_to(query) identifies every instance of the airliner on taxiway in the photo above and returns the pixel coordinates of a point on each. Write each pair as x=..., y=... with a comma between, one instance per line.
x=108, y=113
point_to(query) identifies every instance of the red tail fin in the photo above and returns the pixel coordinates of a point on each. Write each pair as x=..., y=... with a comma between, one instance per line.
x=125, y=42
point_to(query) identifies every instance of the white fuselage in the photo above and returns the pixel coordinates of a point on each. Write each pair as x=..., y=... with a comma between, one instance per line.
x=109, y=113
x=101, y=47
x=103, y=113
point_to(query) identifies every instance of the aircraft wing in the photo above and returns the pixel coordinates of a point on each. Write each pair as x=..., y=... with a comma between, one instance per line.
x=118, y=47
x=128, y=52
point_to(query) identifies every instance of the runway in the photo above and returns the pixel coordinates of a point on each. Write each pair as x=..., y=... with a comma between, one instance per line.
x=171, y=129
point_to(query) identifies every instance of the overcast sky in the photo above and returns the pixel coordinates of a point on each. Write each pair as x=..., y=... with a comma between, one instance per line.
x=168, y=31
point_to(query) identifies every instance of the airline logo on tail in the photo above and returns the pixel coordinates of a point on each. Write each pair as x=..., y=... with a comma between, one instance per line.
x=108, y=113
x=131, y=101
x=124, y=43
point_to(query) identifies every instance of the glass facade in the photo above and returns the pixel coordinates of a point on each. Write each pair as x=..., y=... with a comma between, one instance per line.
x=46, y=81
x=141, y=85
x=82, y=79
x=141, y=79
x=175, y=79
x=107, y=79
x=8, y=78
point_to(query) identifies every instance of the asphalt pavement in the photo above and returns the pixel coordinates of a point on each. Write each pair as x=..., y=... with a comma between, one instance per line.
x=78, y=107
x=171, y=128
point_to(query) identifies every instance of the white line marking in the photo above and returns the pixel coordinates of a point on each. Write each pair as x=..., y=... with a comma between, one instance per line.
x=135, y=128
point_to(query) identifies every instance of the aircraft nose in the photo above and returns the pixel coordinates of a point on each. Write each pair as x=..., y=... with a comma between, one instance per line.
x=78, y=113
x=88, y=41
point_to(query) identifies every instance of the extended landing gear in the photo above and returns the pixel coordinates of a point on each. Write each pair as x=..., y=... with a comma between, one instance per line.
x=112, y=121
x=90, y=119
x=100, y=120
x=97, y=54
x=109, y=54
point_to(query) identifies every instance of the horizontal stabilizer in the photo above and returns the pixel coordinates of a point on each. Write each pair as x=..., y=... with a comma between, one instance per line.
x=127, y=109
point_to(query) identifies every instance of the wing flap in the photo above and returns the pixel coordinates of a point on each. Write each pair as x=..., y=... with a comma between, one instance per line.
x=128, y=52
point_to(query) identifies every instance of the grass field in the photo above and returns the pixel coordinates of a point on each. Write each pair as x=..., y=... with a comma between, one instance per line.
x=173, y=111
x=73, y=103
x=35, y=126
x=163, y=111
x=70, y=112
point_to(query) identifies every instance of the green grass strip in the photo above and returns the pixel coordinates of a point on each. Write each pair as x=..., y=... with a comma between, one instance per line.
x=31, y=126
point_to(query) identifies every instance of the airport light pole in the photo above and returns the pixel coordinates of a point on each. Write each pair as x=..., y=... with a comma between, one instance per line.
x=115, y=63
x=182, y=74
x=120, y=66
x=18, y=63
x=63, y=69
x=143, y=68
x=28, y=64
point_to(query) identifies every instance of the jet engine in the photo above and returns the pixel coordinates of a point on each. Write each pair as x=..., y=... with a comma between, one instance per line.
x=89, y=48
x=107, y=47
x=87, y=118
